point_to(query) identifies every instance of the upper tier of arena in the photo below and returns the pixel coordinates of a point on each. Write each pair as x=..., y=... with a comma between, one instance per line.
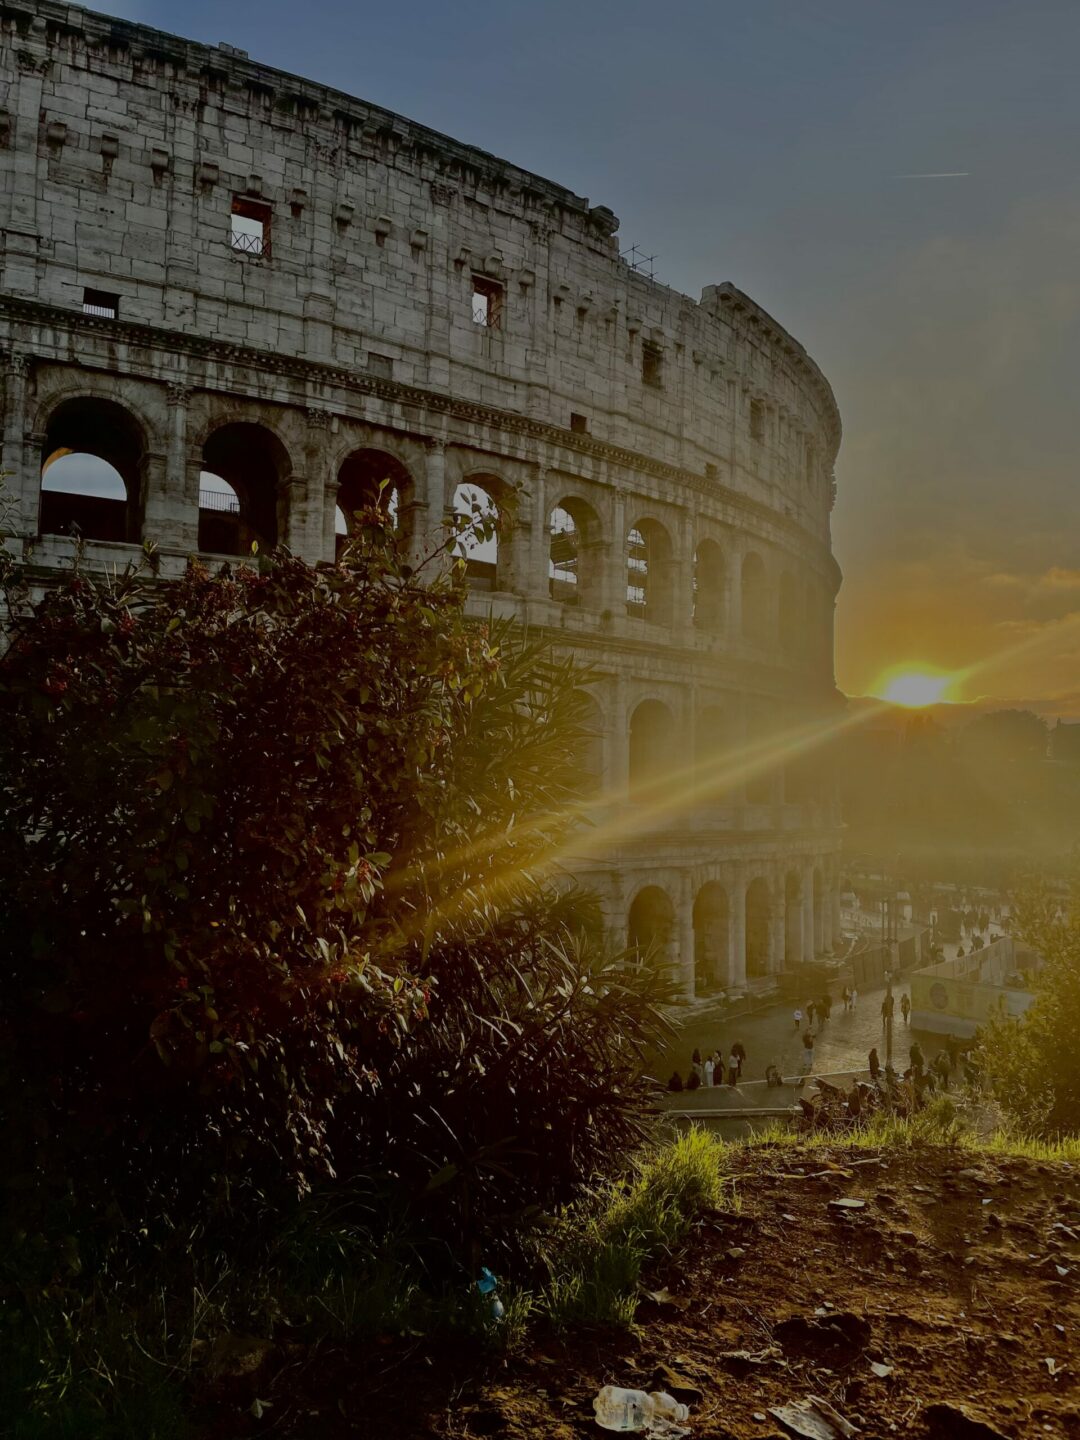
x=371, y=241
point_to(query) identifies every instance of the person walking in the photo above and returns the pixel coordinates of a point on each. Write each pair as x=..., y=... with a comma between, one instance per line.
x=824, y=1008
x=811, y=1009
x=798, y=1018
x=905, y=1009
x=733, y=1070
x=808, y=1052
x=854, y=996
x=886, y=1011
x=695, y=1061
x=845, y=995
x=739, y=1051
x=717, y=1058
x=918, y=1059
x=709, y=1068
x=875, y=1064
x=943, y=1066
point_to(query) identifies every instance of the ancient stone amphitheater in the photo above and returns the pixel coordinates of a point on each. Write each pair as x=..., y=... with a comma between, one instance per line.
x=235, y=301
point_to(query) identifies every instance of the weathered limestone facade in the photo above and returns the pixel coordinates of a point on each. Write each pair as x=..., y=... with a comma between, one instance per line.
x=210, y=266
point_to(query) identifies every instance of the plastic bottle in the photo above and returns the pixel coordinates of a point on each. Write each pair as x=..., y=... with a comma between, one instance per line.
x=618, y=1409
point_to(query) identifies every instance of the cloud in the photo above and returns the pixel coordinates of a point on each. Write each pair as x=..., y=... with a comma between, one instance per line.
x=1058, y=579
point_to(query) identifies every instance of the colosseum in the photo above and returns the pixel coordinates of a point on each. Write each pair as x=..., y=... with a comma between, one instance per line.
x=235, y=301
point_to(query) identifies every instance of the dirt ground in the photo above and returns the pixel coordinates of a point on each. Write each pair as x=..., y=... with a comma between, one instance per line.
x=945, y=1306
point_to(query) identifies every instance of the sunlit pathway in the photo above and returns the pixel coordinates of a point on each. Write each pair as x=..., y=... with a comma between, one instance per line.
x=842, y=1044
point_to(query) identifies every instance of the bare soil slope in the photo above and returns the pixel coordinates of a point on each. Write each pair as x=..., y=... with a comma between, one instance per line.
x=942, y=1306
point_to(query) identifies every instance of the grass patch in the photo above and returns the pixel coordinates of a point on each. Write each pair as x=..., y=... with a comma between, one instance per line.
x=602, y=1244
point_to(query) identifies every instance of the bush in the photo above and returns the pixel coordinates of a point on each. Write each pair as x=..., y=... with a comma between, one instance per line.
x=1034, y=1063
x=277, y=908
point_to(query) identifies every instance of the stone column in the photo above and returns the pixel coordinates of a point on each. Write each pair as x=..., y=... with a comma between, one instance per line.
x=613, y=581
x=737, y=932
x=808, y=914
x=328, y=518
x=308, y=494
x=23, y=475
x=180, y=500
x=793, y=929
x=776, y=928
x=684, y=923
x=160, y=512
x=682, y=581
x=618, y=780
x=429, y=528
x=834, y=914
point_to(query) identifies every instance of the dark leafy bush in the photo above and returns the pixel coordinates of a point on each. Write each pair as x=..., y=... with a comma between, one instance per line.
x=278, y=904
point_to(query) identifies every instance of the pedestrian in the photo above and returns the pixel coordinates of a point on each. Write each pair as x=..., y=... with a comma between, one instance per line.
x=733, y=1070
x=875, y=1064
x=695, y=1061
x=845, y=995
x=810, y=1010
x=693, y=1080
x=709, y=1067
x=798, y=1018
x=905, y=1008
x=825, y=1007
x=886, y=1011
x=918, y=1060
x=808, y=1052
x=739, y=1051
x=718, y=1067
x=773, y=1078
x=943, y=1065
x=959, y=952
x=675, y=1083
x=854, y=996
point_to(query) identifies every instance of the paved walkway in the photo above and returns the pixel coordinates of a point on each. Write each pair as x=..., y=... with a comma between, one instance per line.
x=842, y=1044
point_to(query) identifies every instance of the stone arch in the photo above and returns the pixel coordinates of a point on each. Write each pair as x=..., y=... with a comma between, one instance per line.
x=573, y=534
x=370, y=479
x=709, y=580
x=713, y=742
x=761, y=780
x=649, y=572
x=789, y=618
x=652, y=746
x=650, y=927
x=712, y=937
x=253, y=461
x=793, y=919
x=758, y=914
x=755, y=599
x=93, y=468
x=591, y=744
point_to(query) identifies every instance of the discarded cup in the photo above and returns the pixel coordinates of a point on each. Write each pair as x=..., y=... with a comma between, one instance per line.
x=618, y=1409
x=488, y=1286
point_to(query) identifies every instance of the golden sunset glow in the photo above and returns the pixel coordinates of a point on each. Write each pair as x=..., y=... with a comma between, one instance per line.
x=913, y=688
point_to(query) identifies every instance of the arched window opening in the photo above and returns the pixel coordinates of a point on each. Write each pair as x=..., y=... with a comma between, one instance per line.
x=91, y=472
x=476, y=509
x=712, y=751
x=762, y=766
x=650, y=927
x=370, y=482
x=712, y=938
x=652, y=746
x=755, y=600
x=590, y=747
x=563, y=557
x=793, y=920
x=648, y=573
x=789, y=618
x=219, y=515
x=709, y=588
x=758, y=901
x=249, y=461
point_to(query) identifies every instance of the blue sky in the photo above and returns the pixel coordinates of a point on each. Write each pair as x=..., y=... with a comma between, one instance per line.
x=761, y=143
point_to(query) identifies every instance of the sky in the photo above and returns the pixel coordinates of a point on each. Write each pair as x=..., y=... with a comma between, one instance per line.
x=775, y=144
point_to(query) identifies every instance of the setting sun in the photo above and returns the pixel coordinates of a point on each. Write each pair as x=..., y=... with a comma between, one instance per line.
x=914, y=688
